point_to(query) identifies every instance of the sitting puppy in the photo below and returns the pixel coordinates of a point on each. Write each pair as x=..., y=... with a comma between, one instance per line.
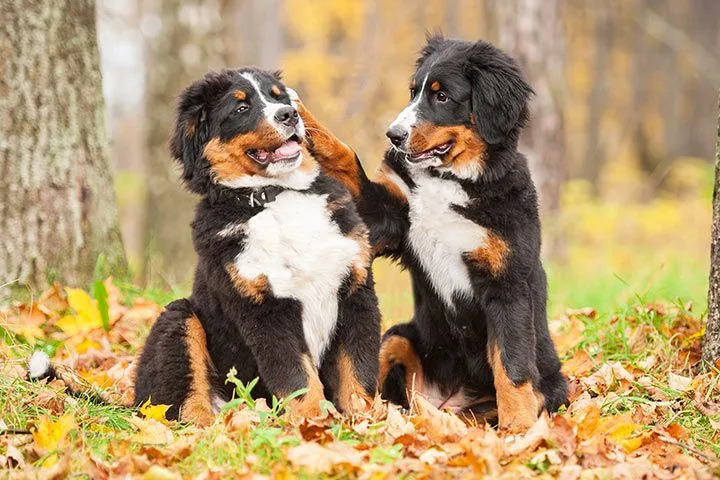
x=283, y=289
x=455, y=203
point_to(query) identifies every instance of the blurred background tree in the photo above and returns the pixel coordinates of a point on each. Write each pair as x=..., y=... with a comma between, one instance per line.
x=620, y=142
x=57, y=204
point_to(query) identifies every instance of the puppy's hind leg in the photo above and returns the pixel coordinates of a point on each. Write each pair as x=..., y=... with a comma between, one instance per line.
x=175, y=368
x=401, y=371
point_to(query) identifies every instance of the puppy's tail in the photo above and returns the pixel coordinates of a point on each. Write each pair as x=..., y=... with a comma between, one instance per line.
x=40, y=368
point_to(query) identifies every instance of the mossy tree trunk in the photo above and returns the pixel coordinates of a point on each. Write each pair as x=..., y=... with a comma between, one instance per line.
x=711, y=346
x=57, y=204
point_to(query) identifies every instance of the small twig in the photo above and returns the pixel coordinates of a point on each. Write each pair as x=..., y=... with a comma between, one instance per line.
x=12, y=431
x=697, y=452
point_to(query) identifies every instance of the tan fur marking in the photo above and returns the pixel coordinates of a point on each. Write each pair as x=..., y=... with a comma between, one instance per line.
x=397, y=349
x=229, y=160
x=256, y=288
x=335, y=157
x=309, y=404
x=276, y=90
x=349, y=386
x=468, y=148
x=517, y=405
x=197, y=405
x=362, y=260
x=435, y=87
x=382, y=177
x=240, y=95
x=413, y=84
x=492, y=255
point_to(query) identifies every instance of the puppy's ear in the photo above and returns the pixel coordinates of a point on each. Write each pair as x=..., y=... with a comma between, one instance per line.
x=500, y=94
x=277, y=74
x=192, y=131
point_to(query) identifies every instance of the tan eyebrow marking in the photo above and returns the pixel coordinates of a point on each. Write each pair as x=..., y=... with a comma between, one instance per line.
x=276, y=90
x=240, y=95
x=435, y=86
x=413, y=84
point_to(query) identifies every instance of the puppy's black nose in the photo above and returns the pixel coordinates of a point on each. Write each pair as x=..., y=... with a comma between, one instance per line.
x=397, y=135
x=287, y=116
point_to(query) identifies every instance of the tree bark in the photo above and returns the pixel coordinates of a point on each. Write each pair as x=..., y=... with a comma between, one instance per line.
x=57, y=203
x=531, y=31
x=711, y=344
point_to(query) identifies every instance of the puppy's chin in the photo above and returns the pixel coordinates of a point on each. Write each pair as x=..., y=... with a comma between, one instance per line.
x=284, y=167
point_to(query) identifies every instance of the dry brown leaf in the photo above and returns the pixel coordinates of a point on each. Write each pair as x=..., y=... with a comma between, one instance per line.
x=324, y=458
x=532, y=439
x=579, y=364
x=438, y=425
x=150, y=431
x=396, y=425
x=679, y=382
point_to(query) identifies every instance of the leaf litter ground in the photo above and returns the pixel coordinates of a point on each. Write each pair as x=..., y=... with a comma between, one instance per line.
x=642, y=405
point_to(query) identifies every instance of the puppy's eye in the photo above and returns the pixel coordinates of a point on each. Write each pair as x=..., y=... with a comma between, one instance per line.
x=441, y=97
x=413, y=92
x=242, y=108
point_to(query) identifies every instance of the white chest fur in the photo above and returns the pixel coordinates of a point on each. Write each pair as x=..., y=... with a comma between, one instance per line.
x=439, y=236
x=304, y=256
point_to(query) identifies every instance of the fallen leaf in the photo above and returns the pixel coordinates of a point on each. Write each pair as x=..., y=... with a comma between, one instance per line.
x=318, y=458
x=432, y=456
x=157, y=472
x=49, y=434
x=396, y=425
x=439, y=426
x=150, y=431
x=532, y=438
x=87, y=313
x=679, y=382
x=154, y=412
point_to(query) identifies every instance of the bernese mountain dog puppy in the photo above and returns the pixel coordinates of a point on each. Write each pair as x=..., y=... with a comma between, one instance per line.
x=283, y=289
x=455, y=203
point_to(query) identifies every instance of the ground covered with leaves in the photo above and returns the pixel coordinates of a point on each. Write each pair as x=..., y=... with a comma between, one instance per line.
x=642, y=405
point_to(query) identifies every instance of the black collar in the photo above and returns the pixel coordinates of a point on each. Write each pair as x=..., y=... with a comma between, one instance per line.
x=257, y=198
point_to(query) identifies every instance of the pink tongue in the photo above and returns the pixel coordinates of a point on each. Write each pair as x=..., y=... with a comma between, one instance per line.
x=286, y=150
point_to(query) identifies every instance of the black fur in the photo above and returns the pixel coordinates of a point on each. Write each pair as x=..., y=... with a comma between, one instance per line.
x=263, y=338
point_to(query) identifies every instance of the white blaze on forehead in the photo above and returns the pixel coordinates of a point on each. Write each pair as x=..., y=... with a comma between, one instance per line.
x=408, y=116
x=270, y=107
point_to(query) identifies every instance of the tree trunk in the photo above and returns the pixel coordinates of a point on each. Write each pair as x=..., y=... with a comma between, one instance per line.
x=711, y=345
x=57, y=204
x=188, y=44
x=531, y=31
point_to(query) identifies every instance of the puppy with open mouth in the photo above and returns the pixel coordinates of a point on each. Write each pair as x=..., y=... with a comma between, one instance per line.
x=454, y=202
x=283, y=289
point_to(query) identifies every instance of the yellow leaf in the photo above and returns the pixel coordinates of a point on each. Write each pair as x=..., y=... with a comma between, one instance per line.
x=88, y=315
x=156, y=472
x=621, y=435
x=49, y=434
x=154, y=412
x=86, y=345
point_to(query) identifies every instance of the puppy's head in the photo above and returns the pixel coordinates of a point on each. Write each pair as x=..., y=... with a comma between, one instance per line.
x=238, y=128
x=465, y=97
